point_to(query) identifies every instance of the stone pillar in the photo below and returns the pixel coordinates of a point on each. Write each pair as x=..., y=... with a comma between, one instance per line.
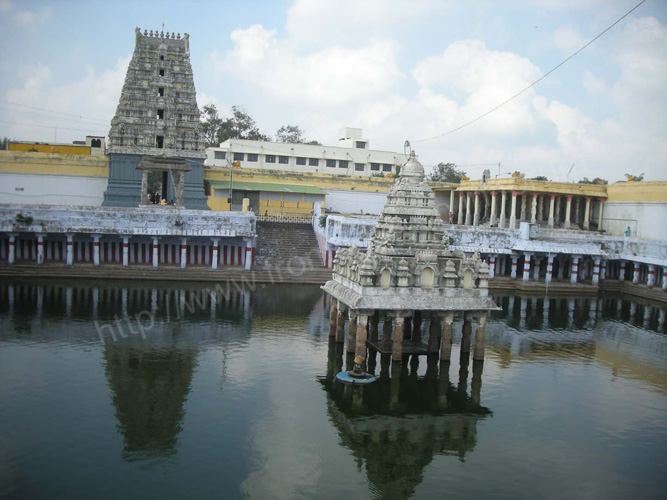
x=11, y=257
x=216, y=256
x=587, y=213
x=540, y=208
x=446, y=337
x=492, y=266
x=568, y=210
x=451, y=206
x=621, y=271
x=126, y=251
x=69, y=249
x=635, y=273
x=460, y=220
x=596, y=270
x=40, y=248
x=351, y=330
x=340, y=323
x=513, y=210
x=362, y=325
x=468, y=211
x=536, y=268
x=433, y=334
x=248, y=254
x=575, y=269
x=467, y=331
x=96, y=249
x=332, y=317
x=478, y=352
x=492, y=216
x=533, y=210
x=515, y=258
x=526, y=266
x=386, y=333
x=650, y=280
x=550, y=268
x=503, y=202
x=524, y=206
x=600, y=213
x=550, y=222
x=184, y=252
x=397, y=344
x=476, y=217
x=664, y=278
x=603, y=269
x=144, y=187
x=155, y=247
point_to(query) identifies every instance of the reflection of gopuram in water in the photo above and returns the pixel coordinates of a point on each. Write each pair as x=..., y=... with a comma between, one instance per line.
x=149, y=385
x=396, y=426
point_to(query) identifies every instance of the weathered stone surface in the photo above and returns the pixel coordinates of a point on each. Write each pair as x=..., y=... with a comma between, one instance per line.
x=151, y=220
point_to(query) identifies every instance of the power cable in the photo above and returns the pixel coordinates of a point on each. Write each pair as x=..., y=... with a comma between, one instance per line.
x=54, y=112
x=535, y=82
x=49, y=126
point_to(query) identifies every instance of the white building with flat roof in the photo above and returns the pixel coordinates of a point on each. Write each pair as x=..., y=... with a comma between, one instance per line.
x=352, y=156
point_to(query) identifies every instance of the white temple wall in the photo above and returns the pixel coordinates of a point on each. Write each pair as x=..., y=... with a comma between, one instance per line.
x=355, y=202
x=52, y=189
x=645, y=219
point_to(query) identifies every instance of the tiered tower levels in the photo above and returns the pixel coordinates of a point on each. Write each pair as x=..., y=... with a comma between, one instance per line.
x=157, y=113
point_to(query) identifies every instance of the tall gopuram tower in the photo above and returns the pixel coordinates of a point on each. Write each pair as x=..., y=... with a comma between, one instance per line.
x=156, y=127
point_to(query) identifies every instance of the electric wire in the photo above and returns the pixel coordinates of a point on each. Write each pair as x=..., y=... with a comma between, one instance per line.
x=534, y=83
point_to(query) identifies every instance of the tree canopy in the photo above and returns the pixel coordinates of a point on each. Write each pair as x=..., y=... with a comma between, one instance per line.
x=539, y=178
x=293, y=134
x=238, y=126
x=446, y=172
x=597, y=180
x=634, y=178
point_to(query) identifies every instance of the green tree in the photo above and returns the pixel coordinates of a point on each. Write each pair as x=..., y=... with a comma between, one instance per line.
x=4, y=143
x=446, y=172
x=539, y=178
x=240, y=126
x=211, y=123
x=290, y=133
x=597, y=180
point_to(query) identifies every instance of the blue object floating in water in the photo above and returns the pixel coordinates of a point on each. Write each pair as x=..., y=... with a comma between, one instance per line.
x=349, y=378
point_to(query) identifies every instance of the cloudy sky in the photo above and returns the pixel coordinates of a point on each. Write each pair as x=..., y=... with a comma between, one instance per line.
x=398, y=69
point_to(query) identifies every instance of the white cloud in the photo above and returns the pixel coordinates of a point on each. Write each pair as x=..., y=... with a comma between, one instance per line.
x=33, y=18
x=330, y=77
x=317, y=23
x=95, y=96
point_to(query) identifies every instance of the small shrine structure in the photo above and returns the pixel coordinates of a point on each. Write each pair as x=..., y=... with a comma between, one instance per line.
x=406, y=275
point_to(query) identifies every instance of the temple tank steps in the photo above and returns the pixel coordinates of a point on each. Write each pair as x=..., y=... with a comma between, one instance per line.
x=287, y=245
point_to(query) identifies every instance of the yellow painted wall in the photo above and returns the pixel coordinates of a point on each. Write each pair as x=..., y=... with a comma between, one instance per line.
x=655, y=191
x=267, y=207
x=62, y=149
x=54, y=164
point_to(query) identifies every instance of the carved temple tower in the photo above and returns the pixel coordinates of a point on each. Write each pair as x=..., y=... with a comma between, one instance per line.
x=408, y=274
x=156, y=127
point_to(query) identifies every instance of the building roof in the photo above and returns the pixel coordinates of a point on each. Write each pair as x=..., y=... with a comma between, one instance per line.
x=267, y=187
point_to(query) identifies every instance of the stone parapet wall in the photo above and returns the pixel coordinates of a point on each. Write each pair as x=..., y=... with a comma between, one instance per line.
x=156, y=221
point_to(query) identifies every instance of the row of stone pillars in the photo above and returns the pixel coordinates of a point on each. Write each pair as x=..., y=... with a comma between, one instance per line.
x=400, y=325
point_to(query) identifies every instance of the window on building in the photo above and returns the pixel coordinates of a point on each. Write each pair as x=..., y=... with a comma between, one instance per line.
x=342, y=163
x=160, y=114
x=359, y=167
x=161, y=71
x=331, y=163
x=386, y=167
x=160, y=91
x=313, y=162
x=375, y=166
x=161, y=58
x=180, y=116
x=239, y=156
x=220, y=155
x=270, y=158
x=300, y=160
x=252, y=157
x=283, y=159
x=159, y=141
x=96, y=143
x=361, y=145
